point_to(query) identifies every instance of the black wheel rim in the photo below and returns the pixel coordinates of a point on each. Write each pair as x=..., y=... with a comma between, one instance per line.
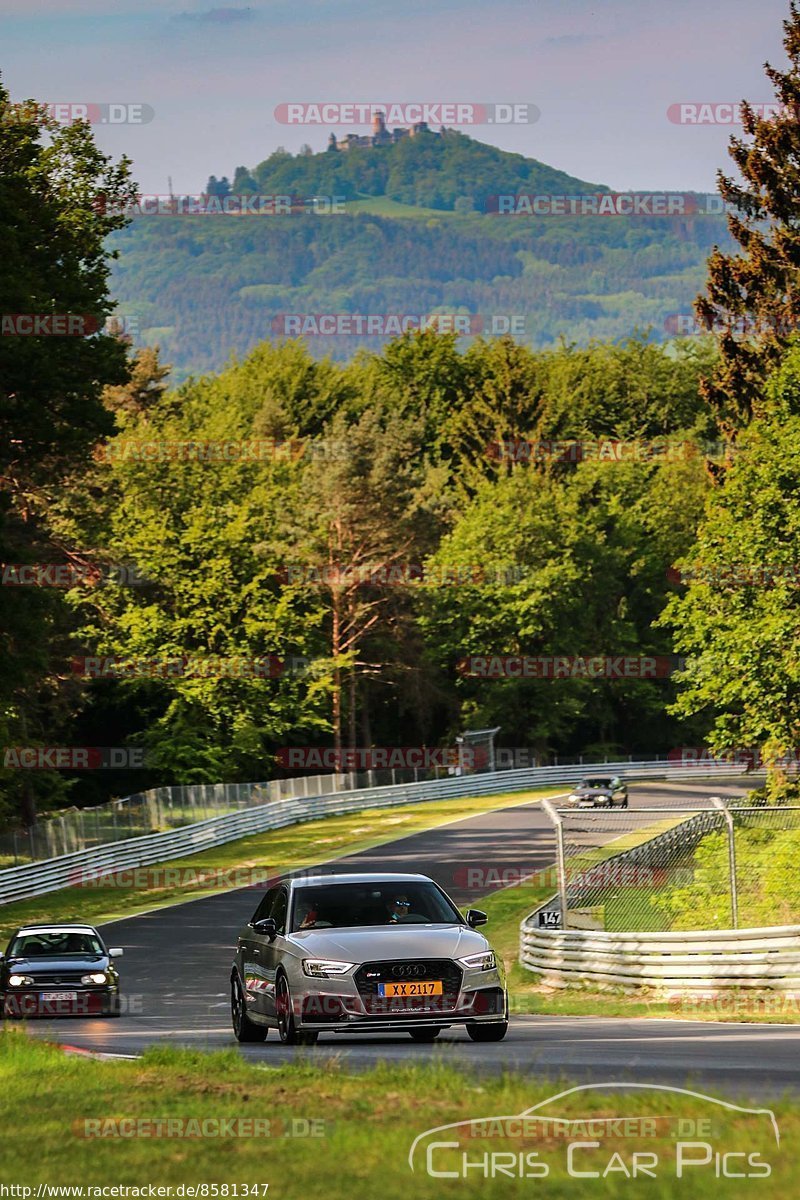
x=283, y=1010
x=237, y=1004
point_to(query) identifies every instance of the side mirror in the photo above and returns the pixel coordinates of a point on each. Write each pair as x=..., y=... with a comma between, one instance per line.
x=267, y=927
x=475, y=918
x=116, y=952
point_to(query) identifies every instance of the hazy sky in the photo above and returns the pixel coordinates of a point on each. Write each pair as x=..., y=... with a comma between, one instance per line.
x=602, y=72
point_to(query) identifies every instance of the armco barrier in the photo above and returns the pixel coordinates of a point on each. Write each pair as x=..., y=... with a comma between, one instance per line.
x=38, y=878
x=705, y=960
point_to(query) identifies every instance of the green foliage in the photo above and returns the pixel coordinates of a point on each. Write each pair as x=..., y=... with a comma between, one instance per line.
x=738, y=620
x=431, y=170
x=767, y=880
x=55, y=188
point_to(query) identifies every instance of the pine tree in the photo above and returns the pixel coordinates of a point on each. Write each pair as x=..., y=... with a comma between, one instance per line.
x=753, y=295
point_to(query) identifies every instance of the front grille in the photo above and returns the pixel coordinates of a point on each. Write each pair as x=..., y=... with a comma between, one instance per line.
x=369, y=975
x=58, y=978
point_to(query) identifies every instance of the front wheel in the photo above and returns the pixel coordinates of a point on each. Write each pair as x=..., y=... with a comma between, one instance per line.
x=488, y=1033
x=244, y=1030
x=288, y=1032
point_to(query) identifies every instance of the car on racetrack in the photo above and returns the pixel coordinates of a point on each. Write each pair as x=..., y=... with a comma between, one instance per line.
x=370, y=953
x=599, y=791
x=59, y=970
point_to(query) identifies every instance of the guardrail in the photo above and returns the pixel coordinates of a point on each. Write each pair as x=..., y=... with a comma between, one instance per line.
x=706, y=959
x=39, y=878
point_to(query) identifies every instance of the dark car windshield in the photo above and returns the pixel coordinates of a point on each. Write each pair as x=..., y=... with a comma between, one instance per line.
x=597, y=782
x=46, y=943
x=348, y=905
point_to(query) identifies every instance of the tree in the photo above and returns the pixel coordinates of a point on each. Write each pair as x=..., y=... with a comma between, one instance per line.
x=371, y=524
x=753, y=298
x=739, y=618
x=59, y=200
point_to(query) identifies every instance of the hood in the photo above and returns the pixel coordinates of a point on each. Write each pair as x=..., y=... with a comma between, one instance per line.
x=390, y=941
x=44, y=964
x=592, y=791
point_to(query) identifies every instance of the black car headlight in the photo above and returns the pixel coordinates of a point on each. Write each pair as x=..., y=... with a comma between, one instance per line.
x=20, y=980
x=97, y=977
x=485, y=961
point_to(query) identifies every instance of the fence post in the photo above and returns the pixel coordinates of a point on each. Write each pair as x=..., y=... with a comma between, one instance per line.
x=728, y=815
x=561, y=869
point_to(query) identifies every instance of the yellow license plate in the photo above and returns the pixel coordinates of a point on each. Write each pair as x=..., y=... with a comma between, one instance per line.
x=419, y=987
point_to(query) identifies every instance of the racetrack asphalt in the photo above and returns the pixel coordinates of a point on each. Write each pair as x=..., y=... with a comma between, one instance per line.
x=177, y=967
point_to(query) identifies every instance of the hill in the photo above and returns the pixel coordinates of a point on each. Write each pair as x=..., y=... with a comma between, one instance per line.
x=206, y=286
x=447, y=171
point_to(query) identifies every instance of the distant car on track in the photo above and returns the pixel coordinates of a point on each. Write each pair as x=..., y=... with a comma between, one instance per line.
x=58, y=971
x=599, y=791
x=371, y=953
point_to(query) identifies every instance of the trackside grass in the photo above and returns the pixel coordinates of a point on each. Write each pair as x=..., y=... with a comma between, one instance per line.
x=333, y=1135
x=278, y=850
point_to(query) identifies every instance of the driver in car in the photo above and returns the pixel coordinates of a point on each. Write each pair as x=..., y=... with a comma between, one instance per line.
x=398, y=911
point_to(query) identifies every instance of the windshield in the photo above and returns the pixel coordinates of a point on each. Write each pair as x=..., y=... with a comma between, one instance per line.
x=348, y=905
x=54, y=944
x=596, y=783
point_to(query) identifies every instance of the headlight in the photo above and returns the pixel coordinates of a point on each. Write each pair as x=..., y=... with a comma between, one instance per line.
x=95, y=977
x=323, y=968
x=20, y=980
x=480, y=962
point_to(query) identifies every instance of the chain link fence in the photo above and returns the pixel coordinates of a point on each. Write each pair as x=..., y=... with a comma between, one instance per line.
x=154, y=811
x=715, y=865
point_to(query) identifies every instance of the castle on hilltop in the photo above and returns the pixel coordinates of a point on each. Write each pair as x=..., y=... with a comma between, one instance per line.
x=380, y=136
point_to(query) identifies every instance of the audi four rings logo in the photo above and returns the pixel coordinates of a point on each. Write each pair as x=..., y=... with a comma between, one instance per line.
x=409, y=969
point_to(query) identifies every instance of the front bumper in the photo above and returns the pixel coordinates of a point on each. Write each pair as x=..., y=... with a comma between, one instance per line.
x=27, y=1003
x=346, y=1003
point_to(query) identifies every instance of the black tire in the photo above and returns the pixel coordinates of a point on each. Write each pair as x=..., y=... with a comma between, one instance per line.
x=424, y=1035
x=494, y=1032
x=288, y=1032
x=244, y=1030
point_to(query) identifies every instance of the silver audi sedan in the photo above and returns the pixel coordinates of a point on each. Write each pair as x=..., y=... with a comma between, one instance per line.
x=372, y=953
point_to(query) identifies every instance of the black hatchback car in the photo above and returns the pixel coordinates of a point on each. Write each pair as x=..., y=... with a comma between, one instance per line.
x=58, y=971
x=599, y=791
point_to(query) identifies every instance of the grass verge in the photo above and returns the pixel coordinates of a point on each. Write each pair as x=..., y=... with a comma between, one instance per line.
x=363, y=1129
